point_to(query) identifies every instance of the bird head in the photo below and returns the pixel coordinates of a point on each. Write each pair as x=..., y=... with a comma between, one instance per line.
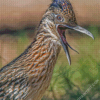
x=64, y=18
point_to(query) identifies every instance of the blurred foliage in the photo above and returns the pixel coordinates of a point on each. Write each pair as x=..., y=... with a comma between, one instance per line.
x=22, y=40
x=72, y=82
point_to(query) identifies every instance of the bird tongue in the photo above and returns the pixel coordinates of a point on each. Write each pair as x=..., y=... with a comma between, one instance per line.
x=61, y=31
x=65, y=44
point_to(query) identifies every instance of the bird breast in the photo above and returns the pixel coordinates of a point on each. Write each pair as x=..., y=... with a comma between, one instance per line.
x=45, y=53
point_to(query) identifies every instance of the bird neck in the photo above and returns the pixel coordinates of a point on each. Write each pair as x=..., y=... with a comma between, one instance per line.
x=46, y=47
x=38, y=60
x=47, y=27
x=43, y=52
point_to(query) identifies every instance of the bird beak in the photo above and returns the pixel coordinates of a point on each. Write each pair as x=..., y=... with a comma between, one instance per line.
x=80, y=29
x=61, y=30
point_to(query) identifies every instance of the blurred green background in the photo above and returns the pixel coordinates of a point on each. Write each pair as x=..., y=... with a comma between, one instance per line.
x=81, y=80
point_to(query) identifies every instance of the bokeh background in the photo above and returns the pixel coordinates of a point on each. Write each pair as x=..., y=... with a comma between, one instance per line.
x=81, y=80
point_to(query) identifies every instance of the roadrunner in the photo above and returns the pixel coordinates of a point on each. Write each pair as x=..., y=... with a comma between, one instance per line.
x=28, y=76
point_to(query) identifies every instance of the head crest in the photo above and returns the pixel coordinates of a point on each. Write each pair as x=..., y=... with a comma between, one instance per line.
x=62, y=4
x=65, y=7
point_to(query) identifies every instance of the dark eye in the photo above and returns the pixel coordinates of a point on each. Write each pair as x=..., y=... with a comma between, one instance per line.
x=59, y=17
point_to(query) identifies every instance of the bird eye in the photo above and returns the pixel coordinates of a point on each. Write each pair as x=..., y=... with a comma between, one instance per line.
x=59, y=17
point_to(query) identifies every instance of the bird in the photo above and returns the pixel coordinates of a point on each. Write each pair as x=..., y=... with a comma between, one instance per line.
x=28, y=76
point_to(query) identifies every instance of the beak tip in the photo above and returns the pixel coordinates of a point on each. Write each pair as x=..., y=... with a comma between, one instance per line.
x=69, y=62
x=93, y=37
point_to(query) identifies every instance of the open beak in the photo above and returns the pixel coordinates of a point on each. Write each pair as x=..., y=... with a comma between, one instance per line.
x=61, y=30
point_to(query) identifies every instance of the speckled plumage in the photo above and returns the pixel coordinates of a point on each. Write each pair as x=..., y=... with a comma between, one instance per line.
x=28, y=76
x=24, y=75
